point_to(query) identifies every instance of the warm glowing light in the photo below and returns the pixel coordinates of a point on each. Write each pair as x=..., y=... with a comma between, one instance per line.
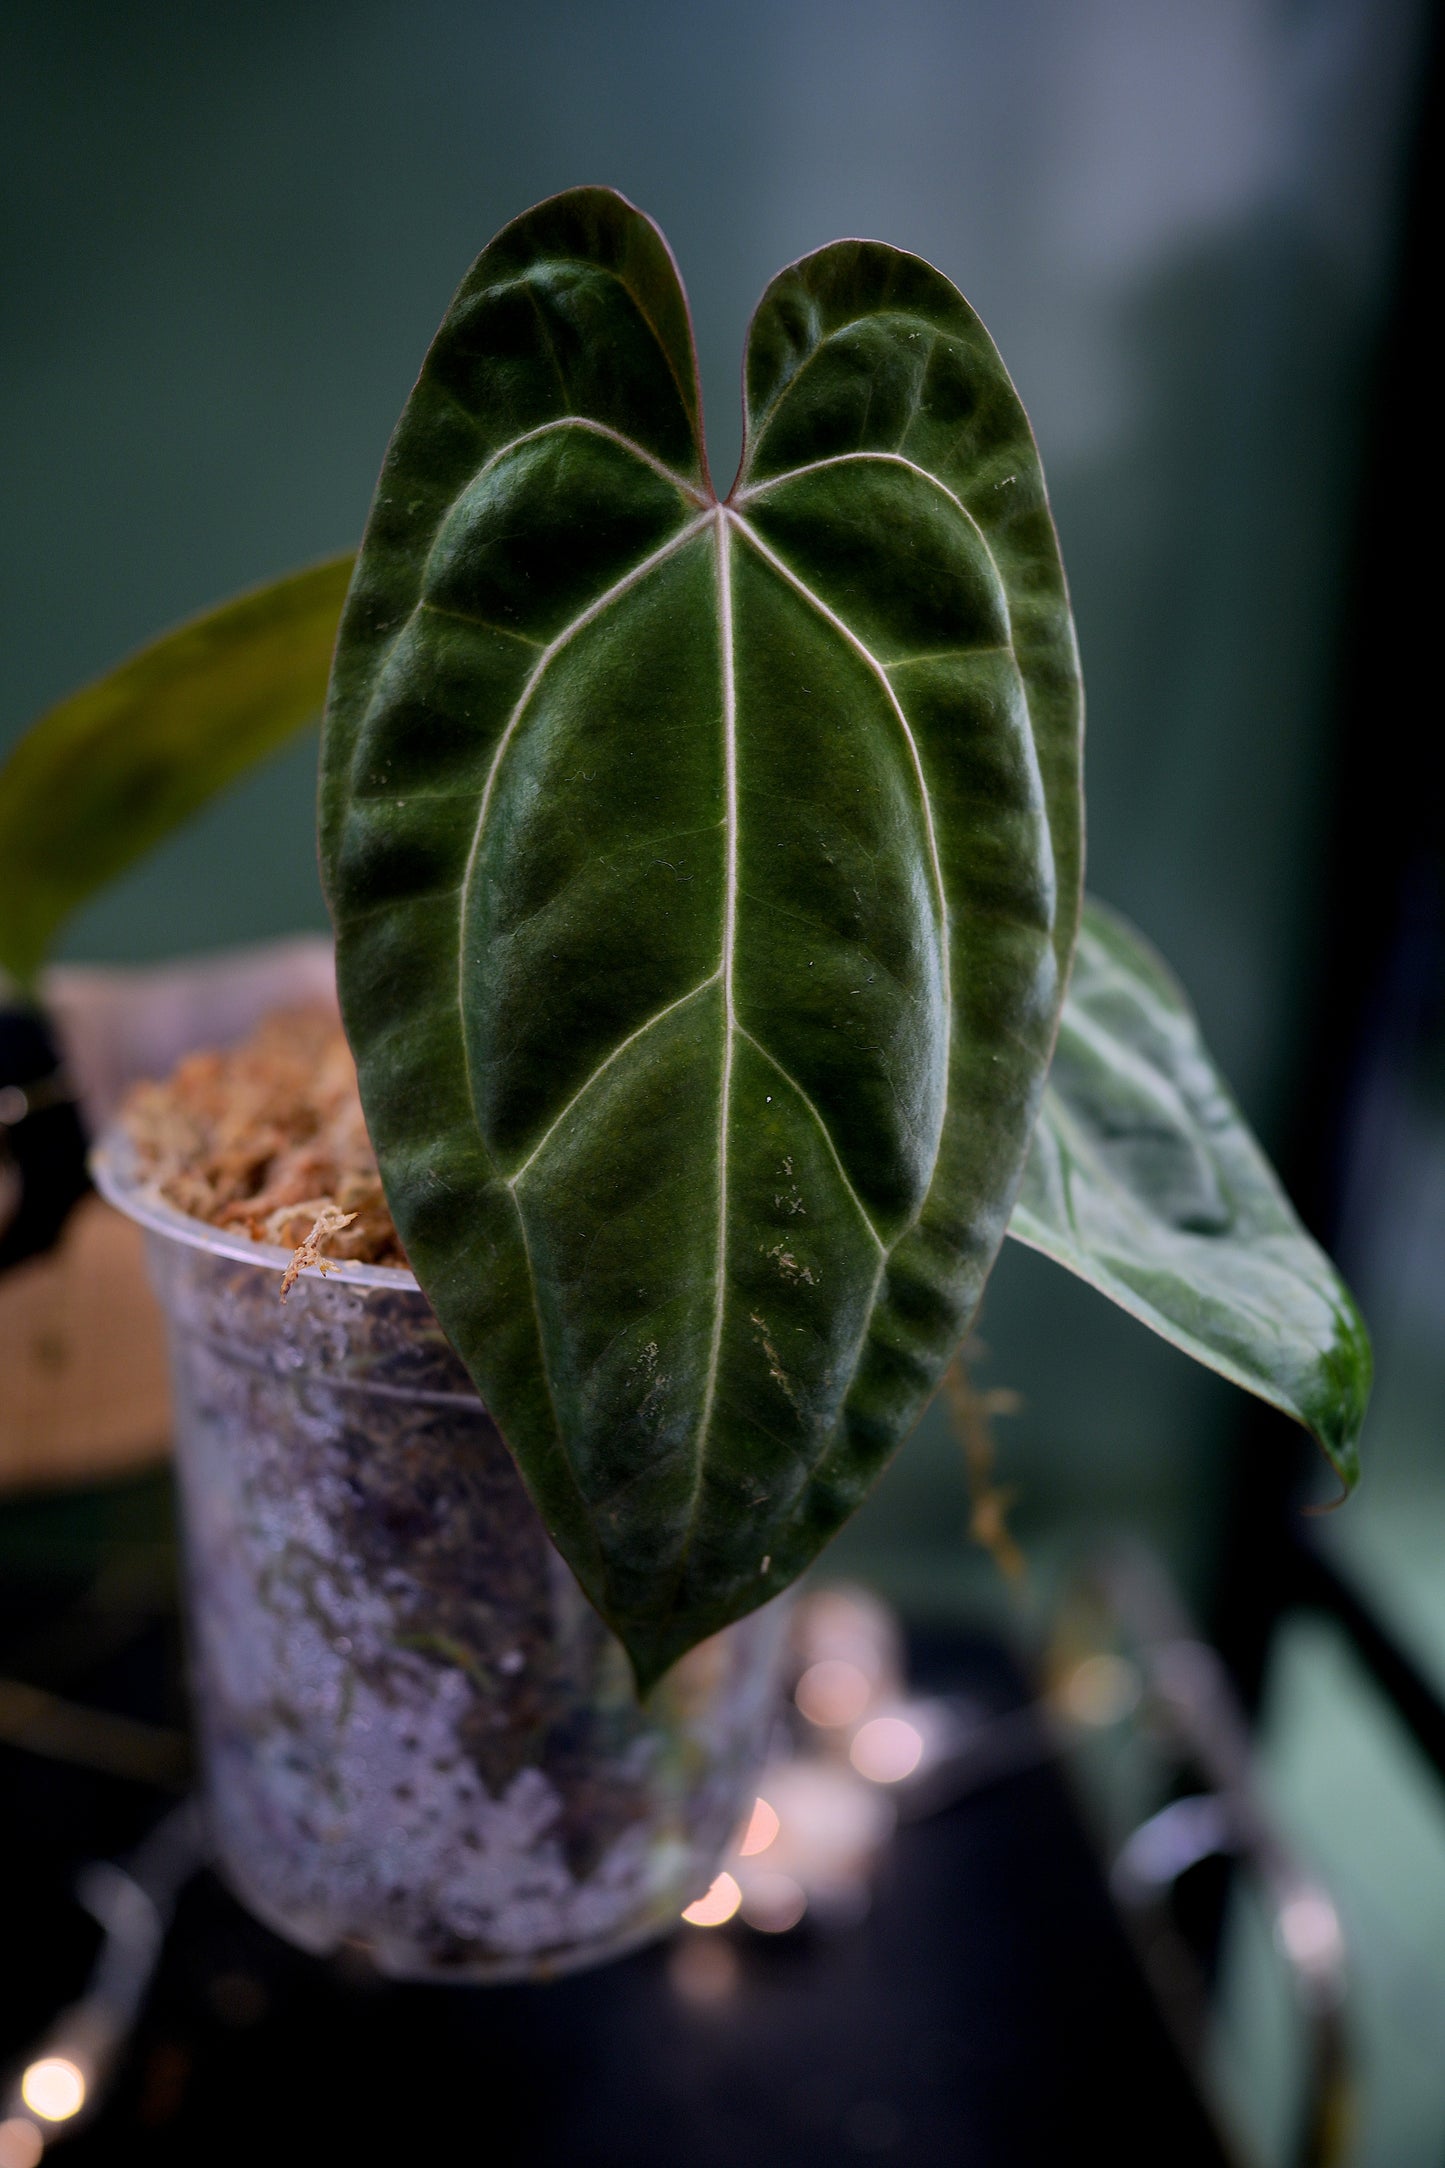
x=831, y=1693
x=21, y=2144
x=1308, y=1931
x=830, y=1825
x=53, y=2088
x=851, y=1624
x=760, y=1832
x=887, y=1750
x=717, y=1905
x=1102, y=1690
x=773, y=1903
x=703, y=1970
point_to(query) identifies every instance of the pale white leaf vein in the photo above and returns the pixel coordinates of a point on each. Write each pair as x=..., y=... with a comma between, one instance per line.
x=641, y=1032
x=725, y=972
x=825, y=1132
x=893, y=459
x=586, y=617
x=866, y=655
x=660, y=467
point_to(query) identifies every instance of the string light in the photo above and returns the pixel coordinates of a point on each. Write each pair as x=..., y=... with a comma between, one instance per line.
x=1308, y=1932
x=716, y=1906
x=21, y=2144
x=832, y=1693
x=886, y=1750
x=702, y=1970
x=760, y=1832
x=1100, y=1690
x=54, y=2089
x=773, y=1903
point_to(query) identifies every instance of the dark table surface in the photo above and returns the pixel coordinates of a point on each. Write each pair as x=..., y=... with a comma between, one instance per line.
x=988, y=2010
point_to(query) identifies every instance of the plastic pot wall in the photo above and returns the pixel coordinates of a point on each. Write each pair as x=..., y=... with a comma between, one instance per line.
x=416, y=1734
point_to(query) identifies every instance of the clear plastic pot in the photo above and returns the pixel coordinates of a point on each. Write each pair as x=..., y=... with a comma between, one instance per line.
x=416, y=1733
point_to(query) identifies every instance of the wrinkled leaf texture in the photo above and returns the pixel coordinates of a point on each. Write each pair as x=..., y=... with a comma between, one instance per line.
x=1144, y=1179
x=105, y=774
x=705, y=877
x=1141, y=1177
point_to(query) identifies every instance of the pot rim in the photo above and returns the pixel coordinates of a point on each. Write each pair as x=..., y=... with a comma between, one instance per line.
x=112, y=1164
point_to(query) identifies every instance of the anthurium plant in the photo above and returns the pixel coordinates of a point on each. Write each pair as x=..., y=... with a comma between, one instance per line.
x=706, y=877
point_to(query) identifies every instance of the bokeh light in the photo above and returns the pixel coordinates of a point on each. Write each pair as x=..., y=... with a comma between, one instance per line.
x=887, y=1749
x=760, y=1832
x=703, y=1970
x=21, y=2144
x=773, y=1903
x=716, y=1906
x=53, y=2088
x=832, y=1693
x=1308, y=1932
x=1101, y=1690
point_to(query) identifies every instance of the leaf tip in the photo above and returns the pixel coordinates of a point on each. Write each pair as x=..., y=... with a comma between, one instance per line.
x=651, y=1656
x=1340, y=1446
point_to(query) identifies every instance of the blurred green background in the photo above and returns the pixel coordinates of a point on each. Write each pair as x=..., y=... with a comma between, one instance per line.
x=229, y=232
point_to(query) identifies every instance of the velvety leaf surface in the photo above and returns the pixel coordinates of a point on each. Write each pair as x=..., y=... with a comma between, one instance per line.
x=705, y=876
x=103, y=776
x=1144, y=1179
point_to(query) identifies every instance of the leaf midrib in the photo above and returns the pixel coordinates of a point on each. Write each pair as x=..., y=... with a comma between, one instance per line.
x=815, y=602
x=725, y=972
x=569, y=632
x=724, y=517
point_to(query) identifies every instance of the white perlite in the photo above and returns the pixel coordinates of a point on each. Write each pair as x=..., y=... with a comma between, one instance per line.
x=417, y=1734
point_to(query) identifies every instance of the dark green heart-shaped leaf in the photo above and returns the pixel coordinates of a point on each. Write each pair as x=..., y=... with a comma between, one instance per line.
x=705, y=877
x=1144, y=1180
x=103, y=776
